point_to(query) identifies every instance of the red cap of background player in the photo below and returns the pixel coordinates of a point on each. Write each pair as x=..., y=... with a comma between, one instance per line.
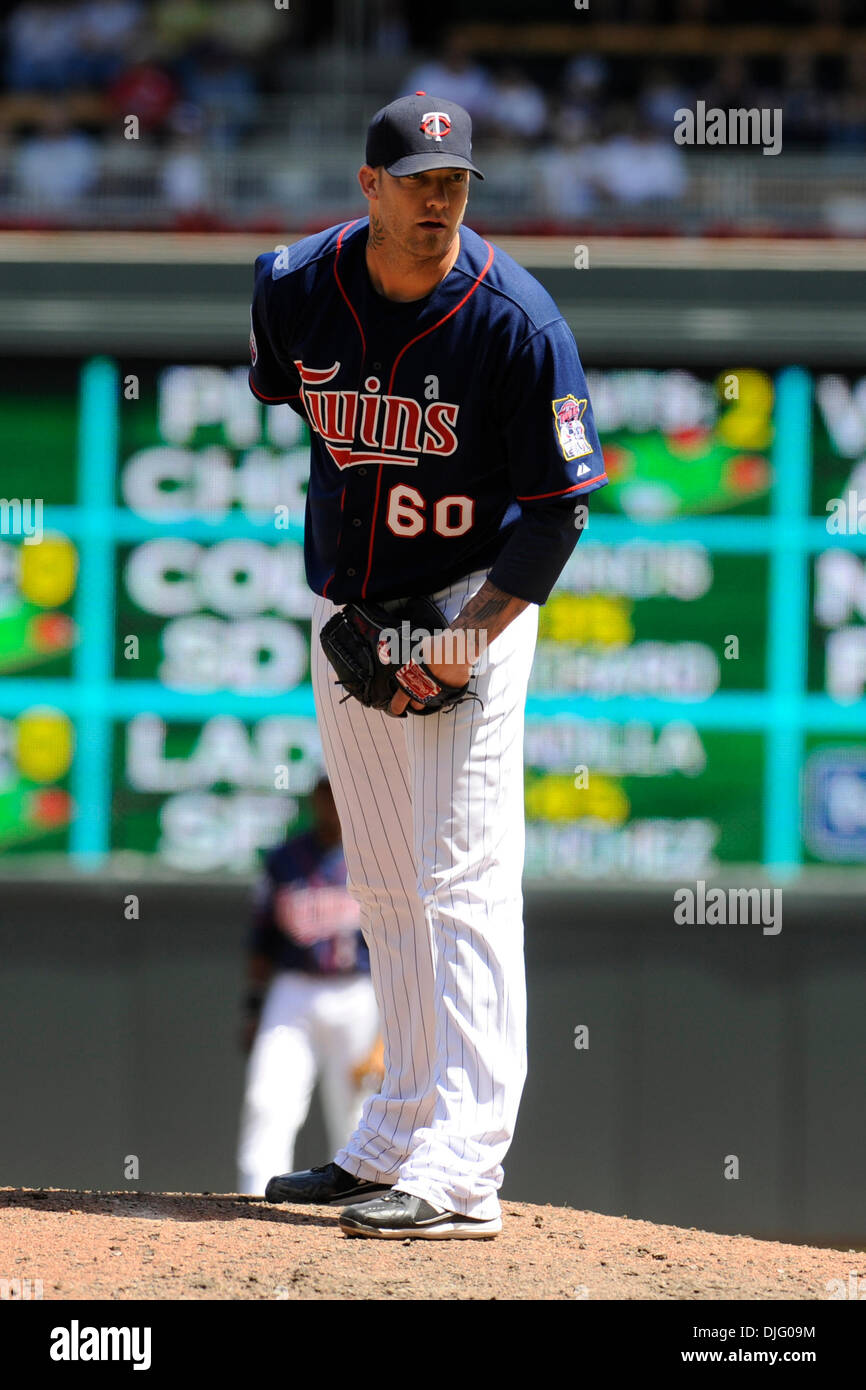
x=421, y=132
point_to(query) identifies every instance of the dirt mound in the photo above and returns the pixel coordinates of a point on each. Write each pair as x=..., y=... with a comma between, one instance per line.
x=155, y=1245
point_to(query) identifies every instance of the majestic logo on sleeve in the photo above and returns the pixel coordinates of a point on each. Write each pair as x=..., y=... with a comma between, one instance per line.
x=389, y=429
x=435, y=124
x=568, y=416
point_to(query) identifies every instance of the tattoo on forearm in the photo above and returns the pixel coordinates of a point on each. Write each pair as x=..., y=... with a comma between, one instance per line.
x=482, y=610
x=490, y=609
x=376, y=234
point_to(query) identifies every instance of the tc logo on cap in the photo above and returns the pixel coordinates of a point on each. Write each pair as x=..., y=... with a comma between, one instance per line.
x=435, y=124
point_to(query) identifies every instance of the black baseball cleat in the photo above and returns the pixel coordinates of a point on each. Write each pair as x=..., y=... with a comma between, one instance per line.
x=327, y=1184
x=397, y=1215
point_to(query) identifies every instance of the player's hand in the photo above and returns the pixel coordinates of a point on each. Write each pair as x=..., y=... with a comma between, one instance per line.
x=451, y=673
x=371, y=1069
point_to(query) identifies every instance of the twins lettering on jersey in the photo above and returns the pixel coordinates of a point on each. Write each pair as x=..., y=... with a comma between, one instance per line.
x=393, y=429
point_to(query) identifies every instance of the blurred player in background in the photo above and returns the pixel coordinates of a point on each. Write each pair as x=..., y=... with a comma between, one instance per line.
x=310, y=1010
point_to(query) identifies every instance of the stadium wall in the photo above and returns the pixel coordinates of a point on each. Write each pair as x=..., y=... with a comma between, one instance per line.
x=647, y=301
x=704, y=1044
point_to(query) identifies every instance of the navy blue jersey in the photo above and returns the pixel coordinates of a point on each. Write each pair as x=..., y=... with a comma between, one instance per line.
x=450, y=434
x=304, y=918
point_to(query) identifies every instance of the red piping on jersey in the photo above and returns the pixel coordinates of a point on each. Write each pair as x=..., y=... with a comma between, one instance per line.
x=346, y=229
x=536, y=497
x=273, y=400
x=339, y=534
x=351, y=309
x=468, y=295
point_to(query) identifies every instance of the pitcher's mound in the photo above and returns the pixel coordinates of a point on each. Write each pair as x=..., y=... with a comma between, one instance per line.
x=158, y=1245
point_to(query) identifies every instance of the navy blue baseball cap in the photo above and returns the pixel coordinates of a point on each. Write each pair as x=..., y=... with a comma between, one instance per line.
x=420, y=132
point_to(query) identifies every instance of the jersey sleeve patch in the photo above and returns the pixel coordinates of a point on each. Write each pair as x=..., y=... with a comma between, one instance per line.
x=570, y=431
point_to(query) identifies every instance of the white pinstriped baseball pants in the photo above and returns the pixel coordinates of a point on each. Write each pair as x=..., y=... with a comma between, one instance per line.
x=433, y=828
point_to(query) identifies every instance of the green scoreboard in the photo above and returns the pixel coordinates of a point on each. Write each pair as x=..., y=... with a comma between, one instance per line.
x=697, y=693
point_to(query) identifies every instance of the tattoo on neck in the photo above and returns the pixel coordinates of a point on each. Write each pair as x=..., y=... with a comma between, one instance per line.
x=376, y=234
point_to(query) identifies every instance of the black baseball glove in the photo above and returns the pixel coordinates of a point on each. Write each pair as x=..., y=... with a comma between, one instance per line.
x=370, y=650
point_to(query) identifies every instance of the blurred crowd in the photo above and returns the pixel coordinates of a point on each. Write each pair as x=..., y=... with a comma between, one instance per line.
x=201, y=77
